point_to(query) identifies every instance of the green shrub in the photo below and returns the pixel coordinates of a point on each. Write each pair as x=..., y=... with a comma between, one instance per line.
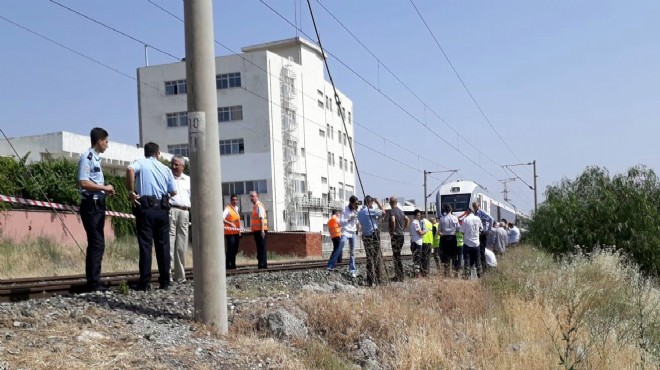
x=598, y=210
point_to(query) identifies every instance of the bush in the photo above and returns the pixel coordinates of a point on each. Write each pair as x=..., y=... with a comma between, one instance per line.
x=598, y=210
x=57, y=181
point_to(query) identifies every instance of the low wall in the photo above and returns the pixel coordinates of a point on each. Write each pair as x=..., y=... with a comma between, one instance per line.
x=26, y=225
x=302, y=244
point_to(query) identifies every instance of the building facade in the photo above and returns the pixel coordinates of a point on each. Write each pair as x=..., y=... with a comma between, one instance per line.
x=281, y=130
x=70, y=146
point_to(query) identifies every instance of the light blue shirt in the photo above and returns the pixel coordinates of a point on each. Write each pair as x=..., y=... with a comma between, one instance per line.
x=366, y=216
x=89, y=168
x=152, y=178
x=486, y=220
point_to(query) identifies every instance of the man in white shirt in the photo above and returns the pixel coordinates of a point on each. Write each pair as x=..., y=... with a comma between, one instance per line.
x=471, y=229
x=417, y=232
x=179, y=219
x=514, y=235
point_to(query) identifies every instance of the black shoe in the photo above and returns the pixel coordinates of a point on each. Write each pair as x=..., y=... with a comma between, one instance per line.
x=140, y=287
x=99, y=288
x=164, y=286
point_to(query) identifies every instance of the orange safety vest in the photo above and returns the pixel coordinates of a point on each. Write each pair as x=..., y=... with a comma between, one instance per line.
x=256, y=222
x=334, y=227
x=235, y=219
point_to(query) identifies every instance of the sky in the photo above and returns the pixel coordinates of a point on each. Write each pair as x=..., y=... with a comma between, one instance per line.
x=568, y=84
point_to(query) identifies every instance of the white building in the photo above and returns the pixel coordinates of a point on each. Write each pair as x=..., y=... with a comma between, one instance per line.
x=281, y=131
x=70, y=146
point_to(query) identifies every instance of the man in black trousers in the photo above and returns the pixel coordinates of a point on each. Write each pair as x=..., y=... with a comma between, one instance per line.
x=150, y=185
x=92, y=205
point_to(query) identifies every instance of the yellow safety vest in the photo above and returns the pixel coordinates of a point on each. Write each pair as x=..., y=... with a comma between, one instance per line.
x=428, y=237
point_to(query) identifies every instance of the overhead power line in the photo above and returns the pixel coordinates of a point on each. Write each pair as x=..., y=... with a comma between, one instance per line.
x=442, y=50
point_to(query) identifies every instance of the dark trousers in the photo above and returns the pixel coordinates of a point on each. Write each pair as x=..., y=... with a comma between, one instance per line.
x=472, y=258
x=92, y=214
x=423, y=257
x=153, y=226
x=397, y=246
x=231, y=243
x=335, y=246
x=449, y=255
x=483, y=240
x=372, y=250
x=260, y=242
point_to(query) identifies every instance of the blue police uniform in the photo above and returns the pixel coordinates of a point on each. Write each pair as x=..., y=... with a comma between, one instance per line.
x=92, y=213
x=153, y=182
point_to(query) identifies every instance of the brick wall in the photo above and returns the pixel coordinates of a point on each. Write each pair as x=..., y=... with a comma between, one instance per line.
x=302, y=244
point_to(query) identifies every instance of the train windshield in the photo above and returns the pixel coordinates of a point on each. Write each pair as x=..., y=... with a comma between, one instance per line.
x=458, y=202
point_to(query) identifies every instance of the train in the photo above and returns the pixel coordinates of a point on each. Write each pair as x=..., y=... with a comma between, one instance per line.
x=460, y=195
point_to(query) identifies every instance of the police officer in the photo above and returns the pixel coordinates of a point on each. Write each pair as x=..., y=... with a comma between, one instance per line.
x=92, y=205
x=150, y=185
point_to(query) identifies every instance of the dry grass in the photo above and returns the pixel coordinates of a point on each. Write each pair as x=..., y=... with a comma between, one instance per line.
x=43, y=257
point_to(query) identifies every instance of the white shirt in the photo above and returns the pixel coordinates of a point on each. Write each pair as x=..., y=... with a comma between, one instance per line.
x=471, y=228
x=448, y=224
x=182, y=197
x=414, y=234
x=225, y=213
x=348, y=221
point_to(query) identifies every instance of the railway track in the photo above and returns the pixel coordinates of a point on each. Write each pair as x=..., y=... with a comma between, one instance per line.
x=12, y=290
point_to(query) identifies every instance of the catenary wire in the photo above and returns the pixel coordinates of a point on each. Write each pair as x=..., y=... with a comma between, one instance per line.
x=302, y=92
x=474, y=100
x=181, y=99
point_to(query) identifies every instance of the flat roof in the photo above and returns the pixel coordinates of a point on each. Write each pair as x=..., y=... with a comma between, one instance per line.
x=283, y=44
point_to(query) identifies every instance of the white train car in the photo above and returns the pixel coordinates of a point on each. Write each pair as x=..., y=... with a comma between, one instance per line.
x=461, y=193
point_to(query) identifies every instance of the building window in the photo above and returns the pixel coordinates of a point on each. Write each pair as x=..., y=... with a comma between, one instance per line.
x=351, y=166
x=324, y=180
x=333, y=193
x=341, y=163
x=228, y=80
x=244, y=187
x=319, y=92
x=321, y=133
x=178, y=149
x=333, y=159
x=345, y=139
x=339, y=136
x=232, y=146
x=320, y=103
x=257, y=185
x=175, y=87
x=329, y=159
x=345, y=164
x=349, y=117
x=302, y=152
x=178, y=119
x=341, y=190
x=228, y=114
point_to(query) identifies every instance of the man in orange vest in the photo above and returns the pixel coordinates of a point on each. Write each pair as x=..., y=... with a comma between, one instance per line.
x=259, y=226
x=232, y=231
x=335, y=231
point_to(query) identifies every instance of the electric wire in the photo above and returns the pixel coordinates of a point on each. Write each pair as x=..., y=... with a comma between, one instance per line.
x=115, y=30
x=390, y=99
x=474, y=100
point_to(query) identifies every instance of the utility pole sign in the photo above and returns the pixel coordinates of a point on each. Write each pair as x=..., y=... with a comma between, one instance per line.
x=196, y=129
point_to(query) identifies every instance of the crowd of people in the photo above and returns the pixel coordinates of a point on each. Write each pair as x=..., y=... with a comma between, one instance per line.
x=472, y=243
x=161, y=201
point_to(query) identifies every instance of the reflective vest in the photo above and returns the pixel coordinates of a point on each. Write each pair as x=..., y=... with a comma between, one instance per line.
x=256, y=222
x=428, y=237
x=235, y=219
x=459, y=239
x=436, y=236
x=334, y=228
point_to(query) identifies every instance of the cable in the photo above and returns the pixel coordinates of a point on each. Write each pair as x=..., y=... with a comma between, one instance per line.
x=302, y=92
x=391, y=100
x=43, y=193
x=114, y=29
x=380, y=62
x=463, y=82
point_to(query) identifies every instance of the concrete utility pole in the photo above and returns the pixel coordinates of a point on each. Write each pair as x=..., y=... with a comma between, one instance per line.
x=204, y=152
x=536, y=201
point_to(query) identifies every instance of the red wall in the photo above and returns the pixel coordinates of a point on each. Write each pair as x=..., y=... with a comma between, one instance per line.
x=25, y=225
x=302, y=244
